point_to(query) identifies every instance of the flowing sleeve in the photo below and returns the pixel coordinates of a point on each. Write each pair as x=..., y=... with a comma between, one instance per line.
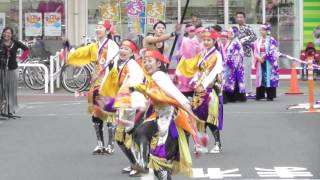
x=165, y=83
x=83, y=55
x=218, y=67
x=256, y=52
x=113, y=51
x=272, y=55
x=135, y=78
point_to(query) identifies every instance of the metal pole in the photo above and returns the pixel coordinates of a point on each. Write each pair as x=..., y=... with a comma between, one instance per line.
x=226, y=13
x=263, y=11
x=20, y=20
x=179, y=10
x=176, y=38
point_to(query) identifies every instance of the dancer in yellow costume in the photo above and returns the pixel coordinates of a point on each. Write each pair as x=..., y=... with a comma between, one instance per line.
x=103, y=54
x=203, y=73
x=169, y=152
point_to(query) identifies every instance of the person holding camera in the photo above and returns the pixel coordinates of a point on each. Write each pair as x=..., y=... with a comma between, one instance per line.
x=8, y=66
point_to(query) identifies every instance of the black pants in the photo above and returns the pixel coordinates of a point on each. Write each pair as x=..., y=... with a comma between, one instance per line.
x=215, y=132
x=235, y=96
x=261, y=91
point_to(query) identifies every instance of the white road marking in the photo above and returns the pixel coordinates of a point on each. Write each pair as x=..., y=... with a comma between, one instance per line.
x=215, y=173
x=284, y=172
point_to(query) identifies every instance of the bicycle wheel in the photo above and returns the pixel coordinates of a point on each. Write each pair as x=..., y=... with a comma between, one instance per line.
x=75, y=78
x=34, y=78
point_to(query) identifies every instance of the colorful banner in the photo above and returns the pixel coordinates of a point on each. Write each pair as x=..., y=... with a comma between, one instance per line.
x=311, y=22
x=155, y=12
x=112, y=12
x=2, y=21
x=136, y=16
x=33, y=24
x=52, y=24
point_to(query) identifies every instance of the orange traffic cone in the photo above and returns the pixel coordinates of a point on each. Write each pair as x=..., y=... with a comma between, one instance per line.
x=294, y=84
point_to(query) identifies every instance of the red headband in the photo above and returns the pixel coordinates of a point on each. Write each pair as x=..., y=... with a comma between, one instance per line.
x=106, y=24
x=213, y=35
x=157, y=55
x=131, y=45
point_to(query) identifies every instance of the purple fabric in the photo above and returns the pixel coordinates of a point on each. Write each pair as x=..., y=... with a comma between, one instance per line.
x=234, y=68
x=109, y=104
x=220, y=117
x=160, y=151
x=109, y=101
x=173, y=130
x=203, y=109
x=271, y=57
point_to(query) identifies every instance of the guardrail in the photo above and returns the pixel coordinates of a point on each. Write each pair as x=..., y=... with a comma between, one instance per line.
x=46, y=73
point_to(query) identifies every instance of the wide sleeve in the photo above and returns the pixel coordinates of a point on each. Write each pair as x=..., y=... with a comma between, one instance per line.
x=218, y=67
x=256, y=51
x=136, y=77
x=83, y=55
x=272, y=54
x=113, y=51
x=165, y=83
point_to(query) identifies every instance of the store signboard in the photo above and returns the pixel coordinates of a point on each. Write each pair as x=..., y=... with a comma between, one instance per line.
x=112, y=12
x=52, y=24
x=136, y=16
x=33, y=24
x=2, y=21
x=155, y=12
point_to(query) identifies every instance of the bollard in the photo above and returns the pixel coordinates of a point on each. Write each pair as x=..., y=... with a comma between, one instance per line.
x=310, y=84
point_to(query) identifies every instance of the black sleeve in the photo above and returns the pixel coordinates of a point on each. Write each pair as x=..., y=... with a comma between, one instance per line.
x=21, y=45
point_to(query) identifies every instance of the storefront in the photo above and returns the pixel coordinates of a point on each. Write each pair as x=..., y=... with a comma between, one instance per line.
x=52, y=20
x=284, y=15
x=42, y=20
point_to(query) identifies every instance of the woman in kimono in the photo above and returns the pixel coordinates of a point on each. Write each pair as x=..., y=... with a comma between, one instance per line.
x=103, y=54
x=129, y=105
x=266, y=63
x=233, y=73
x=189, y=48
x=207, y=81
x=169, y=153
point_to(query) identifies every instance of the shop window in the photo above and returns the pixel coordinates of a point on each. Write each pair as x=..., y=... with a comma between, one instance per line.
x=9, y=15
x=43, y=22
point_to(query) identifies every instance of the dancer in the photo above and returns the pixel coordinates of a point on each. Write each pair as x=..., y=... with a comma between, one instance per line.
x=207, y=81
x=129, y=105
x=190, y=47
x=104, y=54
x=267, y=69
x=233, y=73
x=169, y=153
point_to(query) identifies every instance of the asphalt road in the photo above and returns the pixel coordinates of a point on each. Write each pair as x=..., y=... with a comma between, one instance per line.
x=261, y=140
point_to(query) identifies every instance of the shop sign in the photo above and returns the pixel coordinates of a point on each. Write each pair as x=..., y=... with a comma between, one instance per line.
x=33, y=24
x=52, y=24
x=155, y=13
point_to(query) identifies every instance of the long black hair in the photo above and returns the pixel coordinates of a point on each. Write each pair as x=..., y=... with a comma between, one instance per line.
x=5, y=29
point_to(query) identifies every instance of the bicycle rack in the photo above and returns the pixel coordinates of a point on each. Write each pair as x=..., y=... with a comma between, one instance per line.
x=54, y=72
x=46, y=73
